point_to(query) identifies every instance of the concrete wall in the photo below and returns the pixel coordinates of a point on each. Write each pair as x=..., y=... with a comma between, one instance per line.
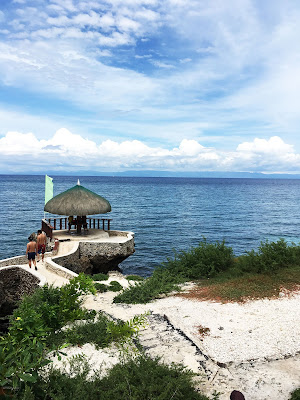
x=59, y=270
x=18, y=260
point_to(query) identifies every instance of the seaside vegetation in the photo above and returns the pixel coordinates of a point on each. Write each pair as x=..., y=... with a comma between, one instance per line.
x=100, y=277
x=114, y=286
x=135, y=379
x=256, y=274
x=52, y=319
x=295, y=395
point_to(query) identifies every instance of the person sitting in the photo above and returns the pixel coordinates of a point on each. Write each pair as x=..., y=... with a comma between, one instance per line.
x=84, y=222
x=71, y=222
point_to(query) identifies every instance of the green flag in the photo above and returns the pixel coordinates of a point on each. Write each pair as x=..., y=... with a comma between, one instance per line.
x=48, y=188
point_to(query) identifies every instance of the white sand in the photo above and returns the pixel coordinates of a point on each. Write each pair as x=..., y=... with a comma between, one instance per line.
x=252, y=347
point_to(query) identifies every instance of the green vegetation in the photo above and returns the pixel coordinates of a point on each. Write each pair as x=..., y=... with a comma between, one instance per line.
x=52, y=319
x=256, y=274
x=270, y=257
x=141, y=378
x=36, y=329
x=114, y=286
x=134, y=278
x=100, y=331
x=100, y=277
x=101, y=287
x=295, y=395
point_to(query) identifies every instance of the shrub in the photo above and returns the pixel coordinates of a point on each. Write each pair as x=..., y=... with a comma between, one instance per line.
x=295, y=395
x=23, y=350
x=101, y=287
x=270, y=257
x=159, y=283
x=142, y=378
x=100, y=277
x=134, y=278
x=115, y=286
x=203, y=261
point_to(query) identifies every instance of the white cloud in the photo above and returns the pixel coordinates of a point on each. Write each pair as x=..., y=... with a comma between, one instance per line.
x=275, y=145
x=236, y=71
x=75, y=152
x=19, y=143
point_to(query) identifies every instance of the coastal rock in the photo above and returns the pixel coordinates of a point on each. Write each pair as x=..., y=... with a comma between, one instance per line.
x=97, y=257
x=14, y=284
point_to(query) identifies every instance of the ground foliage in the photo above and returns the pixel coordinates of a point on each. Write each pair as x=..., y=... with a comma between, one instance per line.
x=100, y=277
x=295, y=395
x=135, y=379
x=113, y=286
x=37, y=328
x=213, y=260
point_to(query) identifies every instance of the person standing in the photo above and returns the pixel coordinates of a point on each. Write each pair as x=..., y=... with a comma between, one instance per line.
x=31, y=251
x=41, y=243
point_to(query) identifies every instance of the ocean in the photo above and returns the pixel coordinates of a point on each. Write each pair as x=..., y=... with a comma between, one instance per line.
x=164, y=213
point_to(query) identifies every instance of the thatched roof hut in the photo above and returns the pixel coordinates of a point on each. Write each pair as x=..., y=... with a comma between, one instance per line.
x=78, y=201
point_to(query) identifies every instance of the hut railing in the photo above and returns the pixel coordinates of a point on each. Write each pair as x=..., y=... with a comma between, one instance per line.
x=60, y=223
x=47, y=228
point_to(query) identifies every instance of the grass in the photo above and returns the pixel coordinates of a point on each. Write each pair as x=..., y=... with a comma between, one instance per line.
x=257, y=274
x=249, y=286
x=141, y=378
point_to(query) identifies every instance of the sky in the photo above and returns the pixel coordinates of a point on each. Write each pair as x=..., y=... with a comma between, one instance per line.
x=165, y=85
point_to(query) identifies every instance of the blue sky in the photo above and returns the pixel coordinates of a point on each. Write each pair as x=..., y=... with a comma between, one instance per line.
x=178, y=85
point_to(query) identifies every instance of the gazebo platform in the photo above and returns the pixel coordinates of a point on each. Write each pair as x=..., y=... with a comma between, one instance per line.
x=91, y=235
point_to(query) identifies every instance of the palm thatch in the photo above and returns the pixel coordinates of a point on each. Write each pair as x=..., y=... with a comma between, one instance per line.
x=77, y=201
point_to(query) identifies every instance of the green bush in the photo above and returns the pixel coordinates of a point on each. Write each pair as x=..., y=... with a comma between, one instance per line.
x=57, y=306
x=295, y=395
x=270, y=257
x=134, y=278
x=91, y=331
x=101, y=287
x=100, y=277
x=115, y=286
x=159, y=283
x=203, y=261
x=23, y=350
x=142, y=378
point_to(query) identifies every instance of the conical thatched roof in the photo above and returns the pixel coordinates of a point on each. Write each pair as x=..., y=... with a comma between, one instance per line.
x=77, y=201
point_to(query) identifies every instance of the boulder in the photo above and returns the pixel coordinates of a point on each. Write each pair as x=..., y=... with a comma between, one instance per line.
x=14, y=284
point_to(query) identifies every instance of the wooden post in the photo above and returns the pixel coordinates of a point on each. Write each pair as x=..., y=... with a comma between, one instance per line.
x=103, y=224
x=54, y=224
x=108, y=224
x=98, y=223
x=60, y=223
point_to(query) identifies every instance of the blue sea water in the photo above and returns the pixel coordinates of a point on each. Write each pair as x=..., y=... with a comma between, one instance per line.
x=164, y=213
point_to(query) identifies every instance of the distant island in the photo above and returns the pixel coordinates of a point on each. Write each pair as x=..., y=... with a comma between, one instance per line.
x=170, y=174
